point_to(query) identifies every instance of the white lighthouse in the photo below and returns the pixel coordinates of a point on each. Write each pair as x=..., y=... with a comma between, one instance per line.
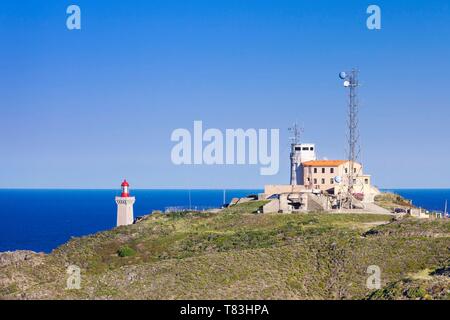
x=125, y=206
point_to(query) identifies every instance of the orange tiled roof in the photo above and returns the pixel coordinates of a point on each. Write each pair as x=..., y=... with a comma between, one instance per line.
x=324, y=163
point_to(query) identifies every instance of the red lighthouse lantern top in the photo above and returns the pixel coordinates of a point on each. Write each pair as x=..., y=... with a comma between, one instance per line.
x=125, y=191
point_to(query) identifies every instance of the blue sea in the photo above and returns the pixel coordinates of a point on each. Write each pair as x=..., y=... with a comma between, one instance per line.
x=41, y=220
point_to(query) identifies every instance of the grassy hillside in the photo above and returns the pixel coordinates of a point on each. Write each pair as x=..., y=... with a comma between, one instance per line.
x=392, y=201
x=238, y=254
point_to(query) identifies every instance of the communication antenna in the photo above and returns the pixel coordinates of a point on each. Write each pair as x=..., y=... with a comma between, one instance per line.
x=351, y=82
x=295, y=132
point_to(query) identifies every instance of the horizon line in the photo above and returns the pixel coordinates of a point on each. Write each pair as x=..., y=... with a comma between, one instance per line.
x=198, y=188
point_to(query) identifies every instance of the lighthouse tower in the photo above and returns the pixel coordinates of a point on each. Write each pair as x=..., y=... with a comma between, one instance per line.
x=125, y=206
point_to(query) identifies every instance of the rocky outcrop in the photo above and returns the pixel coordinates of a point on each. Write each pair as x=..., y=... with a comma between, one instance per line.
x=18, y=257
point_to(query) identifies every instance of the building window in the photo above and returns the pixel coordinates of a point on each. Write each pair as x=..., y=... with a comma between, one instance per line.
x=331, y=181
x=323, y=170
x=297, y=149
x=346, y=170
x=315, y=170
x=354, y=170
x=315, y=181
x=323, y=181
x=331, y=170
x=312, y=148
x=305, y=148
x=366, y=181
x=354, y=181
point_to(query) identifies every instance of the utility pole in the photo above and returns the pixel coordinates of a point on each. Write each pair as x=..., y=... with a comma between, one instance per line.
x=445, y=209
x=190, y=203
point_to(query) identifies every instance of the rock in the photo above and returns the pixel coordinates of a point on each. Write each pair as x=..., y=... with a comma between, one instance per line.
x=14, y=257
x=445, y=271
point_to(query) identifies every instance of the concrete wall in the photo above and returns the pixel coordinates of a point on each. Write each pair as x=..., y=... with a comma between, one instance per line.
x=419, y=213
x=272, y=207
x=282, y=188
x=317, y=202
x=297, y=202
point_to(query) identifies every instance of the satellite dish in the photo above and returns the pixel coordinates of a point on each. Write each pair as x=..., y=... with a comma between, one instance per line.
x=342, y=75
x=346, y=83
x=338, y=179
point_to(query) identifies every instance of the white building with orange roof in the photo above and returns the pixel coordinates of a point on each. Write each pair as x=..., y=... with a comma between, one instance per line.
x=329, y=177
x=332, y=176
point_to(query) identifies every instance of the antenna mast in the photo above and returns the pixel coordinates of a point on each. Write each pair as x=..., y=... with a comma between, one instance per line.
x=295, y=132
x=351, y=81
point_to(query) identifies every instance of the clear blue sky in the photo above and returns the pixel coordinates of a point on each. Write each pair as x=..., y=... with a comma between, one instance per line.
x=88, y=108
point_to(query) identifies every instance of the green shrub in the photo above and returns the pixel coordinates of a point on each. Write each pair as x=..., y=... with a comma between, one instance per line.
x=126, y=252
x=414, y=293
x=178, y=214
